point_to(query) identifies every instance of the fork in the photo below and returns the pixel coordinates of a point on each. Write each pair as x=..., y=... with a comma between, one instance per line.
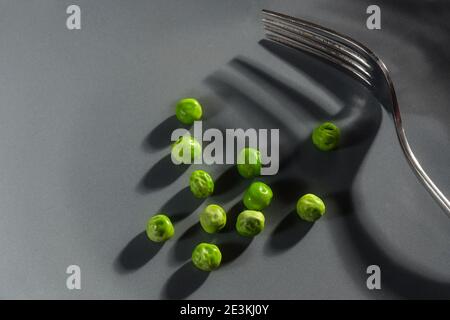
x=358, y=61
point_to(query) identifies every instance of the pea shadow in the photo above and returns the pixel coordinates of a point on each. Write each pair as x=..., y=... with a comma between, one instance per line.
x=182, y=249
x=232, y=215
x=287, y=233
x=159, y=137
x=229, y=185
x=230, y=243
x=291, y=229
x=185, y=281
x=233, y=247
x=181, y=205
x=288, y=189
x=139, y=251
x=162, y=174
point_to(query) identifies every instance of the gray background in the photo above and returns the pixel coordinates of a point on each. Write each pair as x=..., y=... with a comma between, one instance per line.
x=86, y=116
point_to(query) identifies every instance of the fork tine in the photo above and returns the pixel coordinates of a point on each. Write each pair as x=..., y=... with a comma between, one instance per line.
x=300, y=37
x=317, y=41
x=336, y=54
x=329, y=34
x=297, y=45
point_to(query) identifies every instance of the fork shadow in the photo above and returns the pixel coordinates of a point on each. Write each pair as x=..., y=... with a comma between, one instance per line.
x=357, y=135
x=361, y=130
x=357, y=122
x=397, y=278
x=304, y=168
x=265, y=80
x=340, y=84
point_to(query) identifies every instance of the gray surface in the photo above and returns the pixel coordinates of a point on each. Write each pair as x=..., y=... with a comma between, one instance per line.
x=83, y=120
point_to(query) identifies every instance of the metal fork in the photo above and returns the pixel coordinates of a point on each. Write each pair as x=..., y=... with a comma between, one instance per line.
x=354, y=58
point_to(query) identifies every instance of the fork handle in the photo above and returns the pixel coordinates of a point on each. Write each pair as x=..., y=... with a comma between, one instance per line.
x=415, y=165
x=426, y=181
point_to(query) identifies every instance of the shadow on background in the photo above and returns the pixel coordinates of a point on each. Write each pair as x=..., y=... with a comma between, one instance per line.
x=287, y=190
x=288, y=233
x=248, y=107
x=359, y=131
x=425, y=18
x=232, y=215
x=233, y=247
x=159, y=137
x=320, y=71
x=324, y=173
x=265, y=79
x=231, y=244
x=396, y=277
x=299, y=159
x=182, y=249
x=358, y=123
x=229, y=185
x=303, y=168
x=185, y=281
x=136, y=253
x=162, y=174
x=181, y=205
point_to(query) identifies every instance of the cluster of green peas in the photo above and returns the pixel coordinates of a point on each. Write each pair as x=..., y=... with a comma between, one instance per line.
x=258, y=196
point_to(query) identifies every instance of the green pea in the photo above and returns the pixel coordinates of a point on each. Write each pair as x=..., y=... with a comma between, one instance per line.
x=250, y=223
x=213, y=218
x=206, y=256
x=159, y=228
x=201, y=184
x=258, y=196
x=310, y=207
x=185, y=150
x=326, y=136
x=249, y=163
x=188, y=110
